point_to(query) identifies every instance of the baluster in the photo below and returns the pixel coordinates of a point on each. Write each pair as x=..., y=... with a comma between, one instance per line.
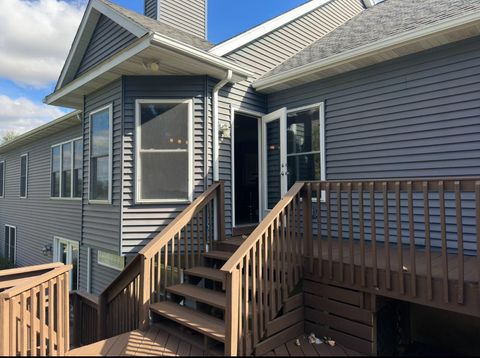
x=271, y=272
x=284, y=252
x=443, y=227
x=458, y=207
x=261, y=294
x=51, y=305
x=399, y=238
x=232, y=313
x=319, y=230
x=241, y=321
x=362, y=233
x=373, y=220
x=307, y=227
x=246, y=341
x=386, y=232
x=329, y=231
x=43, y=307
x=266, y=288
x=340, y=229
x=289, y=247
x=33, y=324
x=428, y=248
x=278, y=272
x=255, y=332
x=477, y=226
x=23, y=324
x=172, y=262
x=411, y=231
x=350, y=233
x=192, y=243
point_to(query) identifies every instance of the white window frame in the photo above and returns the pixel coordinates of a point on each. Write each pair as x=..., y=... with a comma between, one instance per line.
x=190, y=149
x=57, y=240
x=9, y=238
x=108, y=107
x=104, y=264
x=2, y=162
x=26, y=176
x=60, y=145
x=321, y=111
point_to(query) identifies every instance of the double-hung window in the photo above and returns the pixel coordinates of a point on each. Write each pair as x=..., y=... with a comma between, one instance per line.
x=305, y=144
x=67, y=173
x=23, y=176
x=2, y=179
x=101, y=155
x=10, y=248
x=164, y=151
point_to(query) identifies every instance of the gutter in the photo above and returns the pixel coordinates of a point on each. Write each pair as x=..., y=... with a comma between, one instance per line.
x=216, y=139
x=366, y=50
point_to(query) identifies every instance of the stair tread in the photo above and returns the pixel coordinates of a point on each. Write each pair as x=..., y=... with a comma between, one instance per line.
x=206, y=272
x=199, y=294
x=219, y=255
x=200, y=322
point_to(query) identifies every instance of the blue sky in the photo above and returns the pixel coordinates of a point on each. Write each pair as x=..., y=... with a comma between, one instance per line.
x=30, y=66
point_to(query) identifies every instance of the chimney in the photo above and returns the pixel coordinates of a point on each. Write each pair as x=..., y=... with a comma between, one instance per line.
x=187, y=15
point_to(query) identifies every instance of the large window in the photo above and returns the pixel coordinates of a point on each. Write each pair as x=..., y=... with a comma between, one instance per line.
x=2, y=179
x=305, y=144
x=10, y=249
x=100, y=155
x=164, y=151
x=23, y=175
x=67, y=173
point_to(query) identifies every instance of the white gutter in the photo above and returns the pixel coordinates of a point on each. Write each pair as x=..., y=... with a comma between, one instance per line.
x=216, y=139
x=366, y=50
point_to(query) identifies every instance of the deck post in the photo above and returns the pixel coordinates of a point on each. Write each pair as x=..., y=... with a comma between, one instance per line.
x=4, y=329
x=144, y=321
x=102, y=317
x=231, y=313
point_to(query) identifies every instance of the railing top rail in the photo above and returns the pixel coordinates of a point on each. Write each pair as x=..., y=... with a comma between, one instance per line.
x=93, y=299
x=233, y=262
x=35, y=281
x=28, y=269
x=179, y=222
x=415, y=179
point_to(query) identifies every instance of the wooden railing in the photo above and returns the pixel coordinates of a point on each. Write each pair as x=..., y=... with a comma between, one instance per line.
x=124, y=305
x=34, y=312
x=84, y=319
x=262, y=273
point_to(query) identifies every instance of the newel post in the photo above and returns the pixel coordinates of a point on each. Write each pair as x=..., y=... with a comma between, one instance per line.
x=145, y=290
x=4, y=328
x=231, y=313
x=102, y=317
x=307, y=225
x=221, y=211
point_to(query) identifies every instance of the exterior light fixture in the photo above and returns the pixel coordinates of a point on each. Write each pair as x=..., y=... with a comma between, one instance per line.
x=224, y=131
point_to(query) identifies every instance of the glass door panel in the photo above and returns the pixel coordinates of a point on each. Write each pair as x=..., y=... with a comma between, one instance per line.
x=66, y=251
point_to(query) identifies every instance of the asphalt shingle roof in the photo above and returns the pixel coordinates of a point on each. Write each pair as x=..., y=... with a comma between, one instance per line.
x=159, y=27
x=389, y=18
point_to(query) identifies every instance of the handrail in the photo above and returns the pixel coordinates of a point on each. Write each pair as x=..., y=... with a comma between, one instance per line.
x=28, y=269
x=240, y=253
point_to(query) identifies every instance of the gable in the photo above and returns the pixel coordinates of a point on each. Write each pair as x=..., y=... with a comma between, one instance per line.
x=107, y=39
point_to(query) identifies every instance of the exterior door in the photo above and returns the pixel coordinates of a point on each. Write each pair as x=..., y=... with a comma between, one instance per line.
x=66, y=251
x=274, y=158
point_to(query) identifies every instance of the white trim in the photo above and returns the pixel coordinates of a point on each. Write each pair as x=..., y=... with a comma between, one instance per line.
x=9, y=239
x=258, y=116
x=265, y=28
x=108, y=107
x=2, y=162
x=190, y=150
x=366, y=50
x=57, y=240
x=26, y=176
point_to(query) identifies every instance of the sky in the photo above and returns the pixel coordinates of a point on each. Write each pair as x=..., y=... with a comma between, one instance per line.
x=36, y=35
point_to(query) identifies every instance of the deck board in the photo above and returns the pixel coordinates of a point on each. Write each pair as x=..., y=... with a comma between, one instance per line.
x=306, y=349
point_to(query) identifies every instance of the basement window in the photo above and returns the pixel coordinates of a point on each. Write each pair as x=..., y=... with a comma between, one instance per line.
x=164, y=151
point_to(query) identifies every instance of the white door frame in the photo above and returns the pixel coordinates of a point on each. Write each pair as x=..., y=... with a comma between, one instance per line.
x=258, y=115
x=56, y=254
x=281, y=115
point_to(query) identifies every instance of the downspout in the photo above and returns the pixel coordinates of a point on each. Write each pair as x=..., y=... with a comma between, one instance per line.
x=216, y=139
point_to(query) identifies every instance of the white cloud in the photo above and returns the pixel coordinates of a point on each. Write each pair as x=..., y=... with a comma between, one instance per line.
x=35, y=37
x=21, y=114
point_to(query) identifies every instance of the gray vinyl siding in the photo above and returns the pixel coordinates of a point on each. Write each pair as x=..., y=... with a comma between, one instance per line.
x=108, y=38
x=141, y=222
x=261, y=56
x=38, y=218
x=150, y=9
x=186, y=15
x=101, y=222
x=417, y=116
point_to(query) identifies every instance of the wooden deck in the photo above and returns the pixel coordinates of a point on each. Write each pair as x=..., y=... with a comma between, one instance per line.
x=306, y=349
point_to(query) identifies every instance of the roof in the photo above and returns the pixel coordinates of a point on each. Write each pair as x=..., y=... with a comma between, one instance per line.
x=153, y=25
x=57, y=125
x=385, y=20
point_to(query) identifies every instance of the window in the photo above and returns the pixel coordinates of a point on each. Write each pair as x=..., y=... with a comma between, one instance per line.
x=23, y=175
x=305, y=144
x=2, y=179
x=67, y=173
x=100, y=155
x=164, y=151
x=66, y=251
x=111, y=260
x=10, y=250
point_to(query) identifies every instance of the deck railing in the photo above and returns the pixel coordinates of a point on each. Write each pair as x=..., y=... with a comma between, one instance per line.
x=124, y=304
x=262, y=273
x=85, y=318
x=34, y=310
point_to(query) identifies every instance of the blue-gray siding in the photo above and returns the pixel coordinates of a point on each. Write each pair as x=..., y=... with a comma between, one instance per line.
x=107, y=39
x=140, y=223
x=38, y=218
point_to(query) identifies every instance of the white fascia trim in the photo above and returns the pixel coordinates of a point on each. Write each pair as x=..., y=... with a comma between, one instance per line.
x=265, y=28
x=123, y=21
x=166, y=42
x=365, y=50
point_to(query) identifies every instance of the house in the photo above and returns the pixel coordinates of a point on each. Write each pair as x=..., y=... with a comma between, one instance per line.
x=229, y=175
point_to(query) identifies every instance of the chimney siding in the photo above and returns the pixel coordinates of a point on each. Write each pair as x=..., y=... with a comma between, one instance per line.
x=187, y=15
